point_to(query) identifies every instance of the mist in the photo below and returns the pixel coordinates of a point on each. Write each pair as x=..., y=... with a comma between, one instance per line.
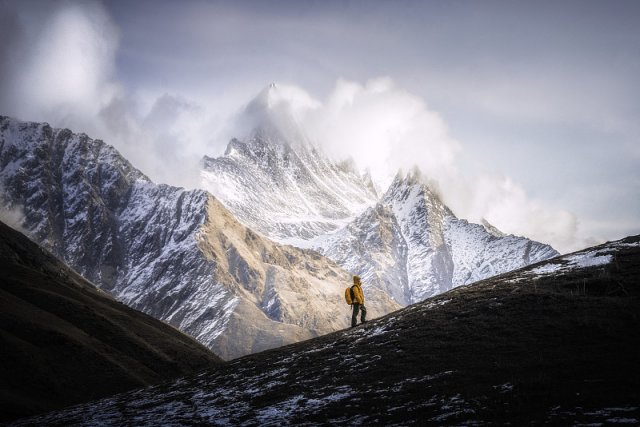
x=58, y=66
x=12, y=214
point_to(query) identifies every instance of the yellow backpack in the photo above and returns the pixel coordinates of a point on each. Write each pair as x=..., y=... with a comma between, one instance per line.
x=349, y=296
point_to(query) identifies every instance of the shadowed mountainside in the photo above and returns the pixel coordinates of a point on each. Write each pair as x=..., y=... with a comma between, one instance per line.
x=63, y=341
x=556, y=342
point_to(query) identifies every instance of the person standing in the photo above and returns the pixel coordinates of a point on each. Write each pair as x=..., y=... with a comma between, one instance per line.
x=357, y=297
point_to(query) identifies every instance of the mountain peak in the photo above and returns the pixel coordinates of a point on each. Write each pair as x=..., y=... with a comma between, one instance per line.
x=491, y=229
x=408, y=179
x=273, y=115
x=266, y=99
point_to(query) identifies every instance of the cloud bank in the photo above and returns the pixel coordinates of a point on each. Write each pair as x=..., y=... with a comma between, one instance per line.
x=58, y=66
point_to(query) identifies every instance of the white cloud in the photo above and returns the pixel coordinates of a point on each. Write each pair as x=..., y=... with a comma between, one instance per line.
x=65, y=73
x=62, y=70
x=385, y=128
x=11, y=214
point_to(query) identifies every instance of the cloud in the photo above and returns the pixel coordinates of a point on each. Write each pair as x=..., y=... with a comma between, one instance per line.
x=12, y=214
x=504, y=203
x=60, y=63
x=59, y=66
x=166, y=140
x=385, y=128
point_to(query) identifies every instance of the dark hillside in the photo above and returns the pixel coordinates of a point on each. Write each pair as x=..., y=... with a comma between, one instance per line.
x=557, y=342
x=63, y=341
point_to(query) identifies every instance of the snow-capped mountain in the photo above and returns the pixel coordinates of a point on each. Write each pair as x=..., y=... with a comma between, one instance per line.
x=407, y=242
x=177, y=255
x=279, y=184
x=412, y=246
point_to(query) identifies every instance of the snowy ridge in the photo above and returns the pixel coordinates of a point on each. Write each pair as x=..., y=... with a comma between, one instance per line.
x=412, y=246
x=177, y=255
x=279, y=184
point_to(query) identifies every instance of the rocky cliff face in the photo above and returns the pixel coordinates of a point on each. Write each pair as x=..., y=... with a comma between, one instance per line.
x=177, y=255
x=413, y=247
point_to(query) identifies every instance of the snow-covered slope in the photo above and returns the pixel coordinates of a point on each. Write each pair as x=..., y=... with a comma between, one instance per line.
x=412, y=246
x=177, y=255
x=279, y=184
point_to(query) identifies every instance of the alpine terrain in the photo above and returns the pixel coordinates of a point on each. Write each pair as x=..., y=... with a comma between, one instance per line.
x=177, y=255
x=278, y=183
x=554, y=343
x=65, y=342
x=405, y=242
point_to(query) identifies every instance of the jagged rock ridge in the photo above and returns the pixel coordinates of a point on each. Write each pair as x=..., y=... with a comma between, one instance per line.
x=278, y=183
x=412, y=246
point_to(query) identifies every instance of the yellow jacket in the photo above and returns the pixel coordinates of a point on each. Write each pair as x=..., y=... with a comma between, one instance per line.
x=358, y=294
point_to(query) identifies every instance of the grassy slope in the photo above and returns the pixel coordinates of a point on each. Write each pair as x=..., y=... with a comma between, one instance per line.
x=64, y=342
x=519, y=347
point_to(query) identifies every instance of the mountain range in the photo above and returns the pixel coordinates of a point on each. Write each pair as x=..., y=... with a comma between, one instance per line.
x=219, y=264
x=177, y=255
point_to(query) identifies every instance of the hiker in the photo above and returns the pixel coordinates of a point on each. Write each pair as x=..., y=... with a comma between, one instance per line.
x=357, y=302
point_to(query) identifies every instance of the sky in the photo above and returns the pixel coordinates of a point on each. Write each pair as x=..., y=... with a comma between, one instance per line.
x=523, y=113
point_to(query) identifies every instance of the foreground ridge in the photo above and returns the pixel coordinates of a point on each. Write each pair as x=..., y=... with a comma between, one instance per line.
x=555, y=342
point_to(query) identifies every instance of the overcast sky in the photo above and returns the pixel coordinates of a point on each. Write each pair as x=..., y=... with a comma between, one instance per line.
x=525, y=113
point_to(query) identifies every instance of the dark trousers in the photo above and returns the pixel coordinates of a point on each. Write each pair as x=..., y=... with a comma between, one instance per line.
x=354, y=317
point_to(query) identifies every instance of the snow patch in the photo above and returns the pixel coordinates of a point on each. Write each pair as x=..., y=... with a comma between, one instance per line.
x=572, y=262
